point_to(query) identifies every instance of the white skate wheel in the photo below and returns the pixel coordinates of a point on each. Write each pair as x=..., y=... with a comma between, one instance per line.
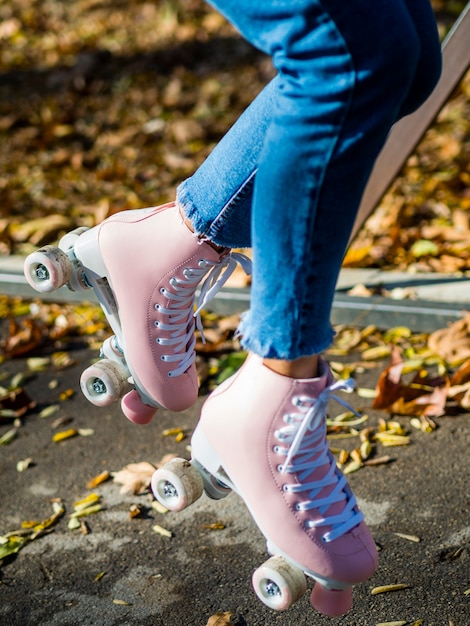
x=77, y=281
x=331, y=602
x=104, y=382
x=112, y=350
x=278, y=584
x=177, y=484
x=47, y=269
x=68, y=241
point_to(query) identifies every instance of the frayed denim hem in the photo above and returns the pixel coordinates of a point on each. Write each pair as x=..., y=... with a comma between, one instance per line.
x=264, y=344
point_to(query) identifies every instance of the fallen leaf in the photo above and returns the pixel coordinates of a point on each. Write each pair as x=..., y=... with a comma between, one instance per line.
x=23, y=465
x=389, y=588
x=164, y=532
x=222, y=618
x=64, y=434
x=15, y=403
x=413, y=538
x=8, y=437
x=97, y=480
x=452, y=343
x=135, y=478
x=23, y=336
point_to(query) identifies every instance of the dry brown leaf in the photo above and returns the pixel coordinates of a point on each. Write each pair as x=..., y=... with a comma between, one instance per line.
x=15, y=403
x=23, y=336
x=452, y=343
x=423, y=396
x=135, y=478
x=462, y=375
x=221, y=618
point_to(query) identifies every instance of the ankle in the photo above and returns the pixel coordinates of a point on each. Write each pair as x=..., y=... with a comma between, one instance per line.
x=303, y=367
x=189, y=226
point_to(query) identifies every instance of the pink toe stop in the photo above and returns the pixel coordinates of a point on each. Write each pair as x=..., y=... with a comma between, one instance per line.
x=135, y=410
x=331, y=602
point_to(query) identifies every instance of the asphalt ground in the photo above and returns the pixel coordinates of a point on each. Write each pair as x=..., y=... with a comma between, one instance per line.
x=122, y=572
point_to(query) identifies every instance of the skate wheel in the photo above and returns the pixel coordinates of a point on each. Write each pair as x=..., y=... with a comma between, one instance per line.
x=68, y=241
x=136, y=410
x=77, y=281
x=103, y=383
x=331, y=602
x=278, y=584
x=112, y=350
x=47, y=269
x=177, y=484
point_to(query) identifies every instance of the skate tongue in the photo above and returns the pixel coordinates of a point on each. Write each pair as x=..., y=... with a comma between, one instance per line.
x=216, y=279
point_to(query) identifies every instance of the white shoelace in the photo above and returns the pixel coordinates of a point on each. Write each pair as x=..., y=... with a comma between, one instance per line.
x=182, y=319
x=305, y=436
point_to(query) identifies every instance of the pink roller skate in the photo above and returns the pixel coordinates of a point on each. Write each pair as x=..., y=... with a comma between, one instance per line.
x=145, y=267
x=264, y=436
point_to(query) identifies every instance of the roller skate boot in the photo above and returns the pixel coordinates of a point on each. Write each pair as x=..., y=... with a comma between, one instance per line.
x=145, y=267
x=264, y=436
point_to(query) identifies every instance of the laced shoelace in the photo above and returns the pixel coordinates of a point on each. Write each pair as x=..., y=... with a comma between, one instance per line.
x=306, y=449
x=182, y=318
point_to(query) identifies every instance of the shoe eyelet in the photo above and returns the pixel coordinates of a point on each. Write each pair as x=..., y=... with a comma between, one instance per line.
x=285, y=488
x=162, y=290
x=157, y=307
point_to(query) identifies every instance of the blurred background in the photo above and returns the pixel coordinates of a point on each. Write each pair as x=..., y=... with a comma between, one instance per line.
x=107, y=105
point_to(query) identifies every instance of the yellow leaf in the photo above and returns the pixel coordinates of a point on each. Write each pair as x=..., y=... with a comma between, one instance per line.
x=215, y=526
x=92, y=498
x=65, y=395
x=164, y=532
x=351, y=467
x=376, y=353
x=65, y=434
x=89, y=510
x=388, y=588
x=97, y=480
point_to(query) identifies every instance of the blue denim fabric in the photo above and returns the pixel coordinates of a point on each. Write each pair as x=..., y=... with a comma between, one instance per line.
x=287, y=179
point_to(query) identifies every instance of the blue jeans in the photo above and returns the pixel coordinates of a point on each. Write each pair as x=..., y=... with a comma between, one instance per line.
x=287, y=179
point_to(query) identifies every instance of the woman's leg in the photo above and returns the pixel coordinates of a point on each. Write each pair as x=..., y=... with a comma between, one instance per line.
x=295, y=165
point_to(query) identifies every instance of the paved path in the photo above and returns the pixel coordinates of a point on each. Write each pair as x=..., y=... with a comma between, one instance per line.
x=184, y=580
